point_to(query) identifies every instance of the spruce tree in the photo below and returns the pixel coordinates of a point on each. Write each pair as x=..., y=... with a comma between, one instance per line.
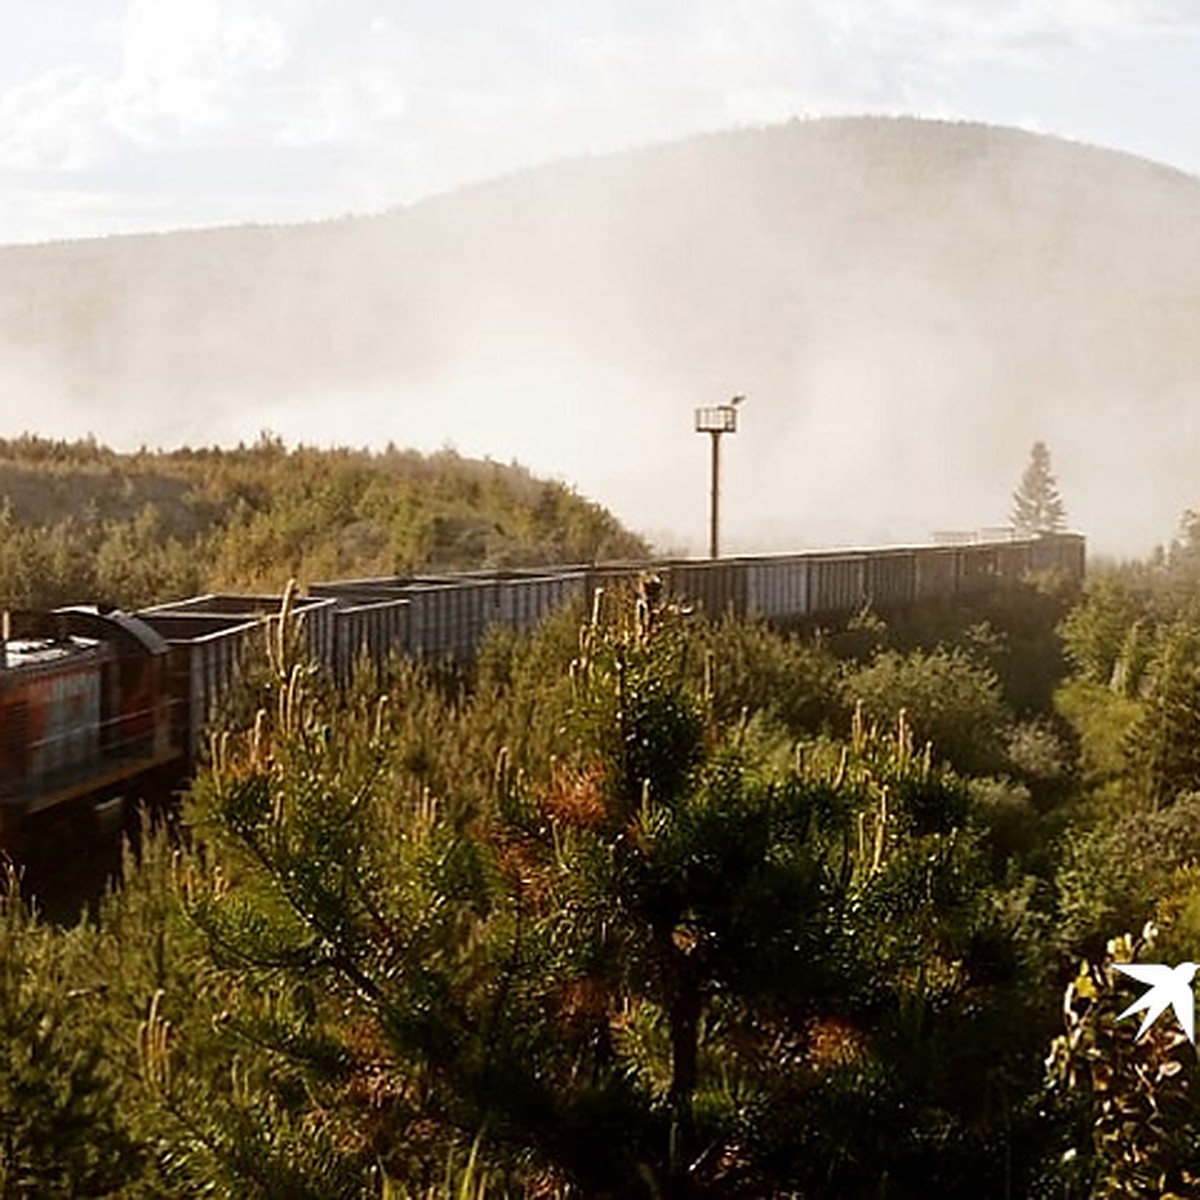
x=1037, y=506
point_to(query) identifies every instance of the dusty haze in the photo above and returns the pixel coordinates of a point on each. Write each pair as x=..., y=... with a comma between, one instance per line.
x=908, y=306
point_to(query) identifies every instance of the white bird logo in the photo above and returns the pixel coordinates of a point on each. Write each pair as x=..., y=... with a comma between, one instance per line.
x=1169, y=986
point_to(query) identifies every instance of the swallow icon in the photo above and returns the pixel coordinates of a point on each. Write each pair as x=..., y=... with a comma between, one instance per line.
x=1170, y=986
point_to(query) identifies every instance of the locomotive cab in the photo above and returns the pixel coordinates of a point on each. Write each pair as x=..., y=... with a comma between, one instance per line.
x=83, y=707
x=51, y=709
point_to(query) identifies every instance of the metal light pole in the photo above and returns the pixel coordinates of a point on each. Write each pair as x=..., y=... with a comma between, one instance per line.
x=714, y=422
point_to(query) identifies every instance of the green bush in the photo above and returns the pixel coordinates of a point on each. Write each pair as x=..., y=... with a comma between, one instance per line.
x=950, y=700
x=61, y=1131
x=1117, y=873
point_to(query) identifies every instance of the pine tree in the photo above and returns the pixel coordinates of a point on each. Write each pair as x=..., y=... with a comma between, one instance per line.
x=1037, y=506
x=596, y=960
x=60, y=1130
x=1167, y=740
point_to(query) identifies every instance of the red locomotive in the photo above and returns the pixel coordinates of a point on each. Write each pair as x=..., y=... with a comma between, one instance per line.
x=84, y=711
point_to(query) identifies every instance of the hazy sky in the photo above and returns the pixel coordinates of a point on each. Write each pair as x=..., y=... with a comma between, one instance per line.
x=118, y=115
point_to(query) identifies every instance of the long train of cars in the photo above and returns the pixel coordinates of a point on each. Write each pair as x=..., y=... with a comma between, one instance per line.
x=95, y=705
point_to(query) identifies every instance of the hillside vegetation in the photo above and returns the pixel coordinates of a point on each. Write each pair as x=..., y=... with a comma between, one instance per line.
x=654, y=908
x=82, y=523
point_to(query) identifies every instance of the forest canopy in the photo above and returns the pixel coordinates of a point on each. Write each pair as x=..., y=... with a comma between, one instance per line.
x=82, y=523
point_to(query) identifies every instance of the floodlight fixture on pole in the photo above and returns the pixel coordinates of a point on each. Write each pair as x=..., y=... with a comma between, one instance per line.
x=714, y=422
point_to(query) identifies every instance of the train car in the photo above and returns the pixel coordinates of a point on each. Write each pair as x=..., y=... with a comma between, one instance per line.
x=52, y=691
x=314, y=613
x=1062, y=552
x=935, y=571
x=605, y=580
x=891, y=578
x=776, y=586
x=977, y=568
x=84, y=710
x=527, y=600
x=209, y=640
x=206, y=654
x=373, y=617
x=521, y=598
x=717, y=587
x=1012, y=560
x=449, y=616
x=837, y=583
x=446, y=616
x=448, y=620
x=372, y=632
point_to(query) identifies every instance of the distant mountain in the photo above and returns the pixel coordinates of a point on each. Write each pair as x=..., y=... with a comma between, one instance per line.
x=908, y=305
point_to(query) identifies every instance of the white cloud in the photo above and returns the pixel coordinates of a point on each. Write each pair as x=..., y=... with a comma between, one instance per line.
x=190, y=66
x=417, y=98
x=200, y=39
x=188, y=71
x=49, y=124
x=1020, y=31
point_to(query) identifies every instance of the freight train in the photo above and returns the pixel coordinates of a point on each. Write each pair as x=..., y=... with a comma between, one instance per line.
x=96, y=705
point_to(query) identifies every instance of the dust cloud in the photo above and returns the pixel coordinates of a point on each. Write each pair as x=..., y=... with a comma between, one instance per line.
x=907, y=305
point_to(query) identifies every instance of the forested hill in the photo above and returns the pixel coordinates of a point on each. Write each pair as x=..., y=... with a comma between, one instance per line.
x=81, y=523
x=907, y=304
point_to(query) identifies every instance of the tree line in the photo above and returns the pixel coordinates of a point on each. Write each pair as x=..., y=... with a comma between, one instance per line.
x=82, y=523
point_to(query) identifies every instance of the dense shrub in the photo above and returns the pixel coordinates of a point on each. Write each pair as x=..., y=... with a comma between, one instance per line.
x=1126, y=869
x=60, y=1130
x=951, y=701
